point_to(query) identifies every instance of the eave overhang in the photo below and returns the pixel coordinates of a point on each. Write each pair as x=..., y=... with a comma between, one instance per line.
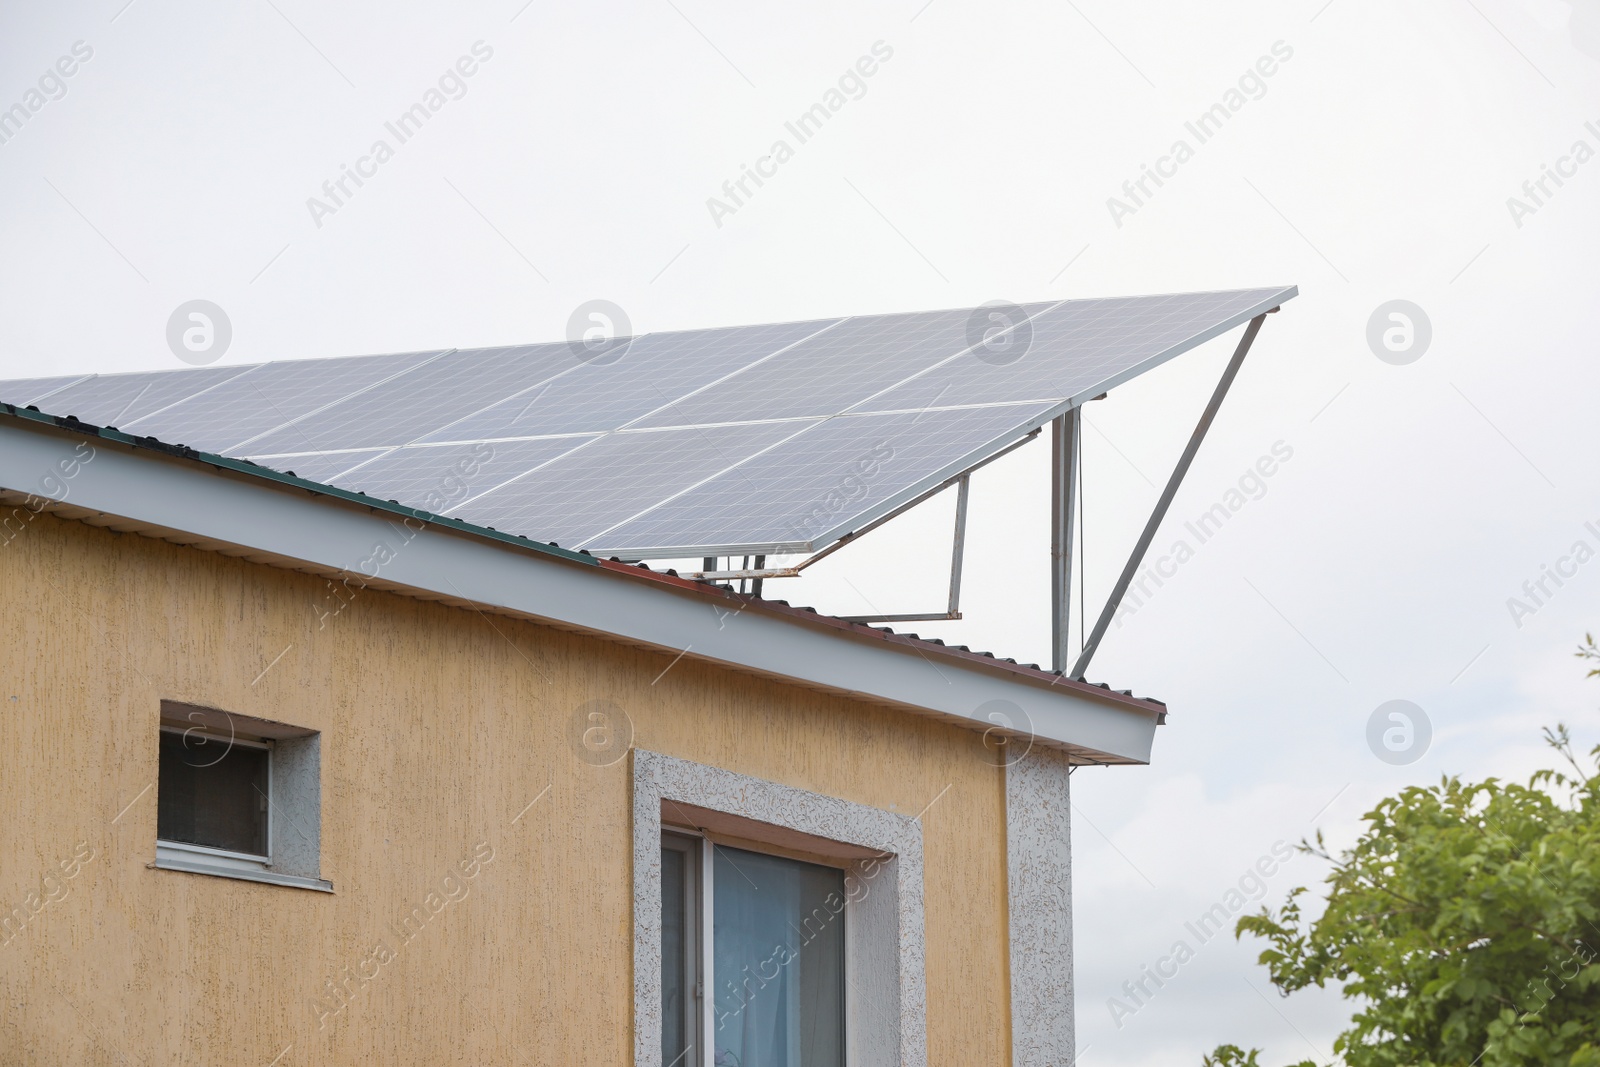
x=227, y=506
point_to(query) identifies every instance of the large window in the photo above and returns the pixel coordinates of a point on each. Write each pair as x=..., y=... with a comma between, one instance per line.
x=772, y=926
x=753, y=955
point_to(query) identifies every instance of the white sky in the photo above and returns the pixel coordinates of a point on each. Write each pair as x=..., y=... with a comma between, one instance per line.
x=976, y=166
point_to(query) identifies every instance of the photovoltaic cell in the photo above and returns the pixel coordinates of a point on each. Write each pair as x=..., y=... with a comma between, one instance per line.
x=743, y=438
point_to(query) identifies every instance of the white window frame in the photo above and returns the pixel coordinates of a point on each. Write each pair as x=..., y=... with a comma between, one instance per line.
x=699, y=947
x=884, y=934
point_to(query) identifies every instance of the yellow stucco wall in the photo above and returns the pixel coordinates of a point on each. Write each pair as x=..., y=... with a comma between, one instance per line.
x=439, y=726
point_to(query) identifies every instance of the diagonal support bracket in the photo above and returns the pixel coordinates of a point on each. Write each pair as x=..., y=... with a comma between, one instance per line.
x=1165, y=502
x=958, y=548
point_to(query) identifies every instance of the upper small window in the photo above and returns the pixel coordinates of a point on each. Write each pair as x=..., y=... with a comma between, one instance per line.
x=238, y=796
x=214, y=791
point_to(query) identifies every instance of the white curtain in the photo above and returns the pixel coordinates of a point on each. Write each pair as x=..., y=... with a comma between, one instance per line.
x=777, y=962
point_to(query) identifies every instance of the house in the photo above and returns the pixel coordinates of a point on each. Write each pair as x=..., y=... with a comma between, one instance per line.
x=298, y=773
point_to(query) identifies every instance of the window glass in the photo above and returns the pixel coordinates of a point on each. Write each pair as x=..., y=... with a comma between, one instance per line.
x=778, y=961
x=212, y=792
x=676, y=995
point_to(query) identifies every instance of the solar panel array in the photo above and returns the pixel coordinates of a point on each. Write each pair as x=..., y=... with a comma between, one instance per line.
x=751, y=439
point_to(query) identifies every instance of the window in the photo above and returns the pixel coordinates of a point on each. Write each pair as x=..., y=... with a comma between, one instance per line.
x=773, y=927
x=238, y=797
x=775, y=954
x=214, y=793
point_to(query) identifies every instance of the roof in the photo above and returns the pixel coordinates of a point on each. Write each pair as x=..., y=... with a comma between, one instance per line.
x=217, y=503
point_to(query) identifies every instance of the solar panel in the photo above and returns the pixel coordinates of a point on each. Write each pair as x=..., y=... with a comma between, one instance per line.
x=609, y=481
x=120, y=399
x=269, y=396
x=1081, y=349
x=439, y=478
x=317, y=466
x=750, y=439
x=811, y=488
x=27, y=391
x=647, y=374
x=434, y=395
x=831, y=370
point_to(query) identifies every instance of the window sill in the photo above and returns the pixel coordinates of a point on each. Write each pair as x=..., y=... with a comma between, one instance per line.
x=199, y=866
x=217, y=857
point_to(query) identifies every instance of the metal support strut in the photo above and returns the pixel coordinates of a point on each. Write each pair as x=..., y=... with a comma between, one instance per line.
x=958, y=548
x=1167, y=494
x=1064, y=445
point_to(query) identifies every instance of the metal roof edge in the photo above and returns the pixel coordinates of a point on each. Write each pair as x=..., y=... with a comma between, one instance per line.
x=813, y=617
x=218, y=501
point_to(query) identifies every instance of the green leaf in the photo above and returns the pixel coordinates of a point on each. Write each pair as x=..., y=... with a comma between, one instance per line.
x=1463, y=925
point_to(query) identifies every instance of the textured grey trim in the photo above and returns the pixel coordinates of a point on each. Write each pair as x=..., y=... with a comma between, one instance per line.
x=198, y=867
x=282, y=526
x=1039, y=886
x=884, y=926
x=296, y=797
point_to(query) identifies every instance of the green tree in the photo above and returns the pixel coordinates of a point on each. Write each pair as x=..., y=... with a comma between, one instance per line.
x=1464, y=923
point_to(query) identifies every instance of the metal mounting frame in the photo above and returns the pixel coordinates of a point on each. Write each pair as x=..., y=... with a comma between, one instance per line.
x=1065, y=490
x=1153, y=524
x=958, y=547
